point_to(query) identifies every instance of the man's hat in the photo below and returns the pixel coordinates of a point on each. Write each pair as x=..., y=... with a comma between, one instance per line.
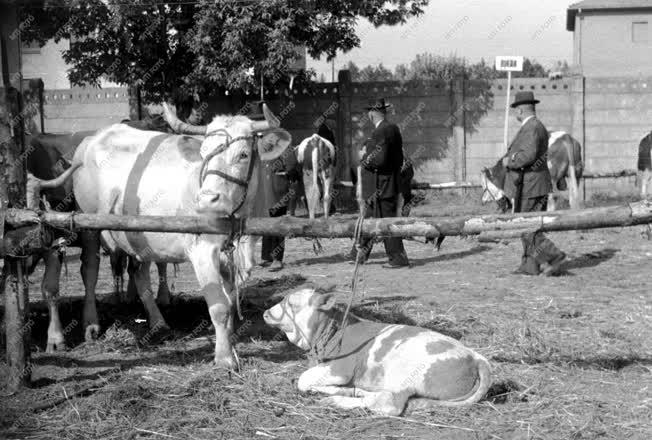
x=378, y=104
x=524, y=98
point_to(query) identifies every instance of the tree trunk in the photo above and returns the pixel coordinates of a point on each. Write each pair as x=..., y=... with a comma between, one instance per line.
x=12, y=194
x=611, y=216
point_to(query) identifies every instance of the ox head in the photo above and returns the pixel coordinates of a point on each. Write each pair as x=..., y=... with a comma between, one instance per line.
x=230, y=151
x=300, y=315
x=492, y=181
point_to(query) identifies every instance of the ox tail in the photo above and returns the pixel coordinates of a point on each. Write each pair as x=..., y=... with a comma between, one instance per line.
x=474, y=396
x=315, y=177
x=573, y=187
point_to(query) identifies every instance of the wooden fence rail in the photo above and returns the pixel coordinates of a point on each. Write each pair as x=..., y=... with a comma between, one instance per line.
x=612, y=216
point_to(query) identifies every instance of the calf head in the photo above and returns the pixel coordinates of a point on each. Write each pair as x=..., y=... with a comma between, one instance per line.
x=230, y=151
x=300, y=315
x=493, y=181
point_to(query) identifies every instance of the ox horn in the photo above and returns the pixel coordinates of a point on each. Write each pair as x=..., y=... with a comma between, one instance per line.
x=271, y=121
x=181, y=127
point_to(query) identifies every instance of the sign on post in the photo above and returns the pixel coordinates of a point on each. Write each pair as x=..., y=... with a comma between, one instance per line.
x=508, y=64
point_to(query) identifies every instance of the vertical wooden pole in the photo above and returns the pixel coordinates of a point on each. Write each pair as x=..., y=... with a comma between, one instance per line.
x=509, y=89
x=12, y=194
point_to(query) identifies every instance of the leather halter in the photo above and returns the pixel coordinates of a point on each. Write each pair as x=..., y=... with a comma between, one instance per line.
x=222, y=148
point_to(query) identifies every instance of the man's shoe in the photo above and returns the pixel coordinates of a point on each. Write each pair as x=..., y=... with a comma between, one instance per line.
x=265, y=263
x=554, y=266
x=276, y=266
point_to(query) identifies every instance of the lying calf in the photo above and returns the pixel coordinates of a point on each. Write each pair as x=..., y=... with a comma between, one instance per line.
x=378, y=366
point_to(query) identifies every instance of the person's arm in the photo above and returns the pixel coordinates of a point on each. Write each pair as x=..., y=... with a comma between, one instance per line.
x=526, y=152
x=376, y=152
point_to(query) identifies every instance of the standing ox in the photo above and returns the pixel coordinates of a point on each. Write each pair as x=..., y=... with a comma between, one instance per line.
x=47, y=161
x=378, y=366
x=565, y=166
x=133, y=172
x=316, y=155
x=564, y=163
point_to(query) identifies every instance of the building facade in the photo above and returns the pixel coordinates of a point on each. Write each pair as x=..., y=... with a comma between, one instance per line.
x=611, y=37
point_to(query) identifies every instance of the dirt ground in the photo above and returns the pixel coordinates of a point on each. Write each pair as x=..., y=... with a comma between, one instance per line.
x=571, y=354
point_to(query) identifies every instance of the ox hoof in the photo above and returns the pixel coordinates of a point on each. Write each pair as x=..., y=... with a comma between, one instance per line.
x=163, y=297
x=227, y=362
x=53, y=347
x=92, y=332
x=157, y=334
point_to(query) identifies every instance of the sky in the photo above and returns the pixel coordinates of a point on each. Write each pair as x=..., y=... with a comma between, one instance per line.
x=472, y=29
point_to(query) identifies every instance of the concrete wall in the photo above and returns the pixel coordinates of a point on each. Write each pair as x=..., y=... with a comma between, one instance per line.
x=604, y=46
x=450, y=130
x=78, y=109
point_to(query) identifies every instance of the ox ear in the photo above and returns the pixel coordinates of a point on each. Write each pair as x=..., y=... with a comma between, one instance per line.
x=273, y=143
x=324, y=301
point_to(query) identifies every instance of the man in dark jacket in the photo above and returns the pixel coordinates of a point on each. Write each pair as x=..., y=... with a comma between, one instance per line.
x=275, y=189
x=528, y=184
x=645, y=165
x=381, y=159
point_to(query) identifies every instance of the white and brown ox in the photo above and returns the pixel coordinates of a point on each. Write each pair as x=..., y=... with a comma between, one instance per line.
x=644, y=166
x=317, y=158
x=565, y=166
x=135, y=172
x=378, y=366
x=48, y=161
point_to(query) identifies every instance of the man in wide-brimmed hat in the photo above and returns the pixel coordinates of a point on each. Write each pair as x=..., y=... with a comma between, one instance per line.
x=381, y=159
x=275, y=189
x=528, y=184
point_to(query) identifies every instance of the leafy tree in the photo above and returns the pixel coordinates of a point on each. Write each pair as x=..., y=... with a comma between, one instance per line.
x=198, y=46
x=531, y=69
x=375, y=73
x=353, y=69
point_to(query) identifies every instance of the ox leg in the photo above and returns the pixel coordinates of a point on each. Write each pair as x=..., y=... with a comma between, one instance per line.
x=324, y=378
x=50, y=290
x=312, y=194
x=131, y=294
x=143, y=286
x=205, y=259
x=90, y=266
x=328, y=191
x=383, y=402
x=117, y=260
x=163, y=293
x=551, y=202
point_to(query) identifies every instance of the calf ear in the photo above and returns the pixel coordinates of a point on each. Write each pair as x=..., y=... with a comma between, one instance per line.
x=325, y=302
x=273, y=143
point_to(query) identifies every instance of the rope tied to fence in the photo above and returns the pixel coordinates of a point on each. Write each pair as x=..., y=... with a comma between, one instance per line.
x=235, y=234
x=357, y=240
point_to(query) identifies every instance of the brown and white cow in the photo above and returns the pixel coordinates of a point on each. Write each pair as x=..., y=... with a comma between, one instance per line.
x=130, y=171
x=378, y=366
x=565, y=166
x=317, y=158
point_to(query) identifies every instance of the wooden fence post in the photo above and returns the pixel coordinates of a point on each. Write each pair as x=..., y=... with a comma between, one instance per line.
x=12, y=194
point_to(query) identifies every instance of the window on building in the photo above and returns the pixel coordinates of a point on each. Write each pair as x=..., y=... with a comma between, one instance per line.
x=30, y=47
x=640, y=32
